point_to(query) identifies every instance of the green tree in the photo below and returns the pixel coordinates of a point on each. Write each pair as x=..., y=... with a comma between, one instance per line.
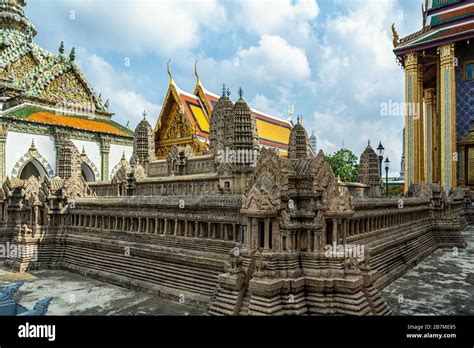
x=344, y=164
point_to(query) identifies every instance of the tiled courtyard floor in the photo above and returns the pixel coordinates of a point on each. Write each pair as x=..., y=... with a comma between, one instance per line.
x=442, y=284
x=74, y=294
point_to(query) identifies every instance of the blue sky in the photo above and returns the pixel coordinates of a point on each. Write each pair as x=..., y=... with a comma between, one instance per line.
x=331, y=59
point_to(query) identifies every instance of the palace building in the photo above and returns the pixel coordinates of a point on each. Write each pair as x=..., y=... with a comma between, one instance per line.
x=439, y=86
x=185, y=120
x=48, y=109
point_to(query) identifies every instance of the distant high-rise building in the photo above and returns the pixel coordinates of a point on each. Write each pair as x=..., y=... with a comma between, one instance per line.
x=313, y=142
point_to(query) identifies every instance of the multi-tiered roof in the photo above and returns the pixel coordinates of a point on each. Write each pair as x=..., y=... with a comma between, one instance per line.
x=197, y=108
x=40, y=87
x=444, y=21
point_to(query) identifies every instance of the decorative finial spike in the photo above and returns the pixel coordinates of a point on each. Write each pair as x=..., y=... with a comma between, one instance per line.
x=196, y=71
x=72, y=55
x=83, y=150
x=241, y=93
x=223, y=90
x=61, y=47
x=368, y=142
x=144, y=114
x=168, y=69
x=227, y=92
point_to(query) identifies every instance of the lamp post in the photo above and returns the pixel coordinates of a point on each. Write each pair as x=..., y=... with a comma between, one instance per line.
x=380, y=152
x=387, y=166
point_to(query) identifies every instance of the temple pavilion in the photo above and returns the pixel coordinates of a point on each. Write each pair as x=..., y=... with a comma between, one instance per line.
x=185, y=118
x=47, y=105
x=439, y=87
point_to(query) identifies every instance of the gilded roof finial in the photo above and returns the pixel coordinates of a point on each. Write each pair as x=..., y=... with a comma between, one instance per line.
x=168, y=70
x=396, y=39
x=144, y=114
x=72, y=55
x=61, y=47
x=196, y=72
x=241, y=93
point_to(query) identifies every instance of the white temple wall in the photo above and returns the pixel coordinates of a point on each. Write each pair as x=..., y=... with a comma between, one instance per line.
x=116, y=153
x=18, y=144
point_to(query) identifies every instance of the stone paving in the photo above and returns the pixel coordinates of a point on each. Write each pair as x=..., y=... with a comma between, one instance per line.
x=74, y=294
x=442, y=284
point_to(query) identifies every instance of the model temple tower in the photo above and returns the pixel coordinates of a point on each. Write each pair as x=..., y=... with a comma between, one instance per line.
x=369, y=173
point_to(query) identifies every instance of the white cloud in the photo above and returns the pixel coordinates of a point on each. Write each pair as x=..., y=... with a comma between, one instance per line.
x=274, y=57
x=139, y=26
x=277, y=16
x=127, y=104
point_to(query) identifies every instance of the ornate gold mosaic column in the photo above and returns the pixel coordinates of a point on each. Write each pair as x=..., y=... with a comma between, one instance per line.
x=411, y=88
x=421, y=124
x=449, y=156
x=3, y=158
x=430, y=125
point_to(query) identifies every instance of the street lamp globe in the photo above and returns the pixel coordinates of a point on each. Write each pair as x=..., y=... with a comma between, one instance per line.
x=380, y=150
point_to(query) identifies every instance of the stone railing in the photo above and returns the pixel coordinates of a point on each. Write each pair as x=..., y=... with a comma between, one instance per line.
x=183, y=216
x=195, y=184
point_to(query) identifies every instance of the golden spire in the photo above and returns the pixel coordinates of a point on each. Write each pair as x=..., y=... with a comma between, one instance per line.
x=396, y=39
x=196, y=72
x=168, y=70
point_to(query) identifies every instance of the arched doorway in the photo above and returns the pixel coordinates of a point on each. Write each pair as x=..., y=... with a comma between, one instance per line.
x=87, y=172
x=33, y=168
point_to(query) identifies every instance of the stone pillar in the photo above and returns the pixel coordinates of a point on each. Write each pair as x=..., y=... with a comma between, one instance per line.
x=411, y=115
x=248, y=235
x=447, y=113
x=315, y=241
x=104, y=154
x=334, y=231
x=309, y=245
x=266, y=242
x=175, y=227
x=254, y=236
x=185, y=228
x=165, y=229
x=3, y=142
